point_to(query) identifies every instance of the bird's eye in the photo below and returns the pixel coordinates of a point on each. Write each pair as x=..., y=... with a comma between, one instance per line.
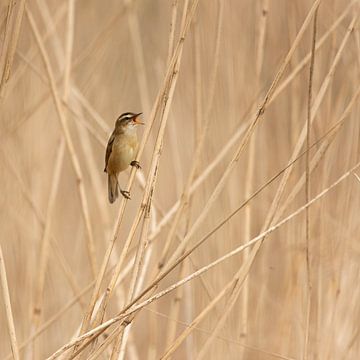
x=127, y=117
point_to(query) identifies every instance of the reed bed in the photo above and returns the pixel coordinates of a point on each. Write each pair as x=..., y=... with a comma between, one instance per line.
x=240, y=238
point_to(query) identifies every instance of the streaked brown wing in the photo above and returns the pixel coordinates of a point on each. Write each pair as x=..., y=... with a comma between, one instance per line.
x=109, y=149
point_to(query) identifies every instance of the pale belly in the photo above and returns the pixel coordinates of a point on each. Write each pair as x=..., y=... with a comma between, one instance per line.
x=122, y=154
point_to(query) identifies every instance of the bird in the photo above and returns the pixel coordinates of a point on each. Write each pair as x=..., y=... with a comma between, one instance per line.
x=121, y=151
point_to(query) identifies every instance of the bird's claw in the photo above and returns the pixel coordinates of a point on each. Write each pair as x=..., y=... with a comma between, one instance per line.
x=125, y=194
x=136, y=164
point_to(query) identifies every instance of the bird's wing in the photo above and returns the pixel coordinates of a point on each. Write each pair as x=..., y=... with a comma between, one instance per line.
x=109, y=149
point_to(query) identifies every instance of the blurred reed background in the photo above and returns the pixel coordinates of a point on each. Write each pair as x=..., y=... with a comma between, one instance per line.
x=229, y=103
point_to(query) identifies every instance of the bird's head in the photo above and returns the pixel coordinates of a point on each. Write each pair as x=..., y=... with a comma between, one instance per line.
x=128, y=121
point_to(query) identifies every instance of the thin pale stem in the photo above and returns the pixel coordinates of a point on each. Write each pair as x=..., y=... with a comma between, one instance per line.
x=307, y=190
x=8, y=310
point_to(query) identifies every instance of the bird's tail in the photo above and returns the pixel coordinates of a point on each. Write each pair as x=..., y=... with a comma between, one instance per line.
x=113, y=188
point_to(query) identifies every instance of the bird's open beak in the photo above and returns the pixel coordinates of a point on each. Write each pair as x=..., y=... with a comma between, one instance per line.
x=136, y=121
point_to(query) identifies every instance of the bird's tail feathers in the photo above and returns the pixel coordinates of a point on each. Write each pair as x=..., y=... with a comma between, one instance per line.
x=113, y=188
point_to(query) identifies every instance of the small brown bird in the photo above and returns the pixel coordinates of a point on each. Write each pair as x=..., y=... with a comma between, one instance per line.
x=121, y=151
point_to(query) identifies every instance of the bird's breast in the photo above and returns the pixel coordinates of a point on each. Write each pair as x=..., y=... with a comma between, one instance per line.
x=123, y=152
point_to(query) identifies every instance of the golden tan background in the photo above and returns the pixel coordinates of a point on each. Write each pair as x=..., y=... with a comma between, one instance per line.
x=300, y=298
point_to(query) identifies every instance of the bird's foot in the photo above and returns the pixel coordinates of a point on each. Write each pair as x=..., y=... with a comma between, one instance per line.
x=125, y=194
x=136, y=164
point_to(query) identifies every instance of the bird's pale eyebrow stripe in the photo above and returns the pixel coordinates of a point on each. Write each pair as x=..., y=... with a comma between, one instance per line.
x=127, y=116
